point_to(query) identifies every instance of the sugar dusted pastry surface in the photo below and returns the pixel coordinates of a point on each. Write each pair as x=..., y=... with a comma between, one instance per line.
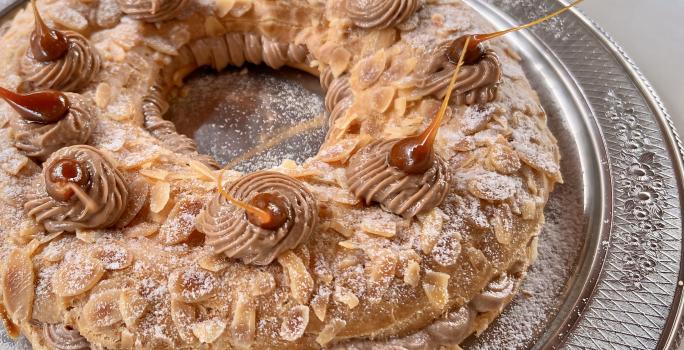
x=365, y=276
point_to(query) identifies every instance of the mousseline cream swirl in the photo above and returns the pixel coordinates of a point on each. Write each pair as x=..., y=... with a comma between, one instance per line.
x=379, y=14
x=371, y=178
x=100, y=202
x=73, y=72
x=476, y=83
x=153, y=107
x=339, y=89
x=61, y=337
x=39, y=140
x=152, y=10
x=228, y=230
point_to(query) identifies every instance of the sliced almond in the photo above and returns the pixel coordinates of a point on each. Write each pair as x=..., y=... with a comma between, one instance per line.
x=339, y=61
x=435, y=285
x=412, y=273
x=294, y=323
x=243, y=324
x=113, y=256
x=183, y=315
x=214, y=262
x=143, y=229
x=156, y=174
x=300, y=280
x=132, y=307
x=159, y=196
x=76, y=277
x=330, y=331
x=319, y=304
x=18, y=289
x=346, y=297
x=213, y=26
x=102, y=310
x=192, y=285
x=382, y=228
x=180, y=223
x=368, y=70
x=208, y=331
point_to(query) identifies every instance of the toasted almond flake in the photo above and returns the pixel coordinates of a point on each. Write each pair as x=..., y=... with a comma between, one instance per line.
x=330, y=331
x=349, y=244
x=208, y=331
x=339, y=152
x=347, y=262
x=102, y=310
x=368, y=70
x=529, y=209
x=143, y=229
x=18, y=290
x=262, y=283
x=161, y=45
x=88, y=236
x=202, y=170
x=213, y=26
x=380, y=228
x=156, y=174
x=243, y=324
x=183, y=315
x=431, y=229
x=113, y=256
x=347, y=297
x=159, y=196
x=192, y=285
x=300, y=280
x=12, y=161
x=180, y=222
x=319, y=304
x=435, y=285
x=502, y=234
x=412, y=273
x=224, y=6
x=103, y=94
x=339, y=61
x=241, y=8
x=127, y=339
x=214, y=263
x=399, y=107
x=341, y=228
x=532, y=251
x=76, y=277
x=294, y=323
x=132, y=306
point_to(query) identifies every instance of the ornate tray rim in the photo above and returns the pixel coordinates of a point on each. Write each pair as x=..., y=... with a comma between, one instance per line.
x=670, y=336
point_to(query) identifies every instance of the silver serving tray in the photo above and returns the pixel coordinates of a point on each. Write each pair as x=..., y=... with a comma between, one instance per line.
x=610, y=259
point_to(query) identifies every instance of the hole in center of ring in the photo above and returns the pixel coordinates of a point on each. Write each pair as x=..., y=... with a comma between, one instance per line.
x=251, y=118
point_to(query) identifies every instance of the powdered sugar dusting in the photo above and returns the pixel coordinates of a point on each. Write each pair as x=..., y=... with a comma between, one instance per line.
x=255, y=106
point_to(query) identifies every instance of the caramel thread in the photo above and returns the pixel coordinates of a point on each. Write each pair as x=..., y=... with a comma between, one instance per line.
x=261, y=214
x=482, y=37
x=427, y=138
x=89, y=203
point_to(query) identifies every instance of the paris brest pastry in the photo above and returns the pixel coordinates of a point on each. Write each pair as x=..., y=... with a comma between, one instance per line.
x=411, y=228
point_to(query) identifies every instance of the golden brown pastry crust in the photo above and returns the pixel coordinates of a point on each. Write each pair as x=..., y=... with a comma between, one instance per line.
x=364, y=274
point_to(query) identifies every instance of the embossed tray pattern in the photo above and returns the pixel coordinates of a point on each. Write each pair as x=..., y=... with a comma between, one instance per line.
x=626, y=291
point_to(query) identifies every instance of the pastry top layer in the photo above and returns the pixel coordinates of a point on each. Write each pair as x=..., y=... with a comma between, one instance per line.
x=150, y=280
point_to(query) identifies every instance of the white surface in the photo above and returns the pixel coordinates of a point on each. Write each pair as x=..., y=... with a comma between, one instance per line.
x=652, y=34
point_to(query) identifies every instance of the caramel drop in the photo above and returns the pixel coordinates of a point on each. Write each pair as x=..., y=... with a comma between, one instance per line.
x=64, y=172
x=46, y=44
x=271, y=204
x=44, y=107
